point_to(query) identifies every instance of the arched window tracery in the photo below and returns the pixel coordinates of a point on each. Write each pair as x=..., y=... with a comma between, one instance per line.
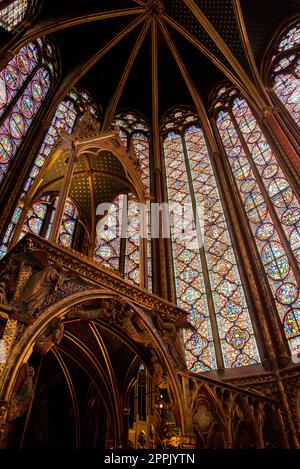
x=284, y=72
x=271, y=205
x=207, y=278
x=24, y=83
x=40, y=217
x=64, y=119
x=13, y=13
x=35, y=220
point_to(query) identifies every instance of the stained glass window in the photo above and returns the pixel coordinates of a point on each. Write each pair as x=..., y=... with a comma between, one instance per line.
x=132, y=254
x=134, y=132
x=12, y=14
x=108, y=240
x=207, y=278
x=122, y=221
x=270, y=203
x=24, y=84
x=141, y=146
x=190, y=288
x=285, y=73
x=40, y=218
x=84, y=102
x=15, y=126
x=15, y=74
x=68, y=225
x=36, y=217
x=64, y=119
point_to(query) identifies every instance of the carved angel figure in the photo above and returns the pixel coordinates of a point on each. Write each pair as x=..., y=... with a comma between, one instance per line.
x=125, y=319
x=159, y=378
x=169, y=331
x=35, y=292
x=52, y=336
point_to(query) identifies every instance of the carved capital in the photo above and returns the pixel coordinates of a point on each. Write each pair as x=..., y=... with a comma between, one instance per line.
x=269, y=110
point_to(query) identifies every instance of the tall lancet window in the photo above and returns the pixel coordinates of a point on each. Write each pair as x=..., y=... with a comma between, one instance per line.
x=35, y=221
x=67, y=230
x=64, y=119
x=12, y=13
x=108, y=240
x=39, y=220
x=134, y=132
x=24, y=83
x=270, y=203
x=132, y=252
x=207, y=278
x=285, y=71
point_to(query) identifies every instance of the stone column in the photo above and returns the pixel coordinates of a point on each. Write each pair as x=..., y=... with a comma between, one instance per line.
x=63, y=194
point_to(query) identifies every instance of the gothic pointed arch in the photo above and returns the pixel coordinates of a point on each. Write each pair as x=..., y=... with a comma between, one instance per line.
x=65, y=118
x=40, y=218
x=25, y=83
x=282, y=69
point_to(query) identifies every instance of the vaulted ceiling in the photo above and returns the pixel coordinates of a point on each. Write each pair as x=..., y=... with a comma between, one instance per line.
x=125, y=51
x=97, y=178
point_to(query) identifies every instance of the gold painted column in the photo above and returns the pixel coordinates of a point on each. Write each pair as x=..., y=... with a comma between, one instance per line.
x=17, y=233
x=125, y=418
x=63, y=194
x=159, y=255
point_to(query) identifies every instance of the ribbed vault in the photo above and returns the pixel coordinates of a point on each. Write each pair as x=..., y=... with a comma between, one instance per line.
x=148, y=43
